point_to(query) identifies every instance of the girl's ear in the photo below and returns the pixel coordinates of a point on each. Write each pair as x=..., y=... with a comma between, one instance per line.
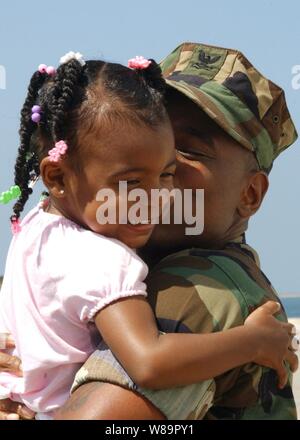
x=53, y=175
x=253, y=194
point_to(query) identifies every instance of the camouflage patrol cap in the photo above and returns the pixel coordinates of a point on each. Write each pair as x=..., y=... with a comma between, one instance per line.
x=231, y=91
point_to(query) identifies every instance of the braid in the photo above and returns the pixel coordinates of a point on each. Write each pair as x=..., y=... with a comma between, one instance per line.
x=24, y=167
x=65, y=84
x=59, y=99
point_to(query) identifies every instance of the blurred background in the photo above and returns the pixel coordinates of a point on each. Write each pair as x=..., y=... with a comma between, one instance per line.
x=266, y=31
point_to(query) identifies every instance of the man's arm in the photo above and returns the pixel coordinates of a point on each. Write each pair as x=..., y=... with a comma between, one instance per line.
x=104, y=401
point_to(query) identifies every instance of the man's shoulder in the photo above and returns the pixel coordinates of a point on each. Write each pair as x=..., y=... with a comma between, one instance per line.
x=236, y=261
x=193, y=261
x=223, y=284
x=236, y=267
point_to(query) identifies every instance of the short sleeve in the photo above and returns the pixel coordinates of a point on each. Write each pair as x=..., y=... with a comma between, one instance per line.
x=105, y=271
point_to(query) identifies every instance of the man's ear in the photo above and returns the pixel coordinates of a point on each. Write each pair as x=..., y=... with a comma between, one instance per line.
x=53, y=175
x=253, y=194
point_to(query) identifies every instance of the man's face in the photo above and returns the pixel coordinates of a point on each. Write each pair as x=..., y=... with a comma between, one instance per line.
x=208, y=159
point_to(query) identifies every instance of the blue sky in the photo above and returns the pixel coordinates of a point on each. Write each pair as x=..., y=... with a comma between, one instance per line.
x=267, y=31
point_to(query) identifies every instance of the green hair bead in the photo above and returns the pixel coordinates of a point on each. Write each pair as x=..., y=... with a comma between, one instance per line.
x=5, y=197
x=13, y=193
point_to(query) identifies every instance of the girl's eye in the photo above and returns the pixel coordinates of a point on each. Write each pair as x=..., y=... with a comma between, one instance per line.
x=167, y=175
x=133, y=182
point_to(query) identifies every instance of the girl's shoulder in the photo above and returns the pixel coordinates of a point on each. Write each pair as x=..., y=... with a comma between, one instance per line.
x=87, y=263
x=108, y=255
x=60, y=240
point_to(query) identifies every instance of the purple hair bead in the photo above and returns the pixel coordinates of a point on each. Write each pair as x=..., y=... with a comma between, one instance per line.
x=36, y=117
x=36, y=114
x=36, y=109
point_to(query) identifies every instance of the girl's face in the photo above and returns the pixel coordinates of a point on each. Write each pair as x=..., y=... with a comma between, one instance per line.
x=142, y=157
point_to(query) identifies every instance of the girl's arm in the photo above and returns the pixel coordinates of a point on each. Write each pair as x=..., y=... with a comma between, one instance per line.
x=163, y=361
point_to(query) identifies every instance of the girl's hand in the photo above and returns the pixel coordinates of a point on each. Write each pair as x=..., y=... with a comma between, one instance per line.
x=274, y=340
x=10, y=410
x=8, y=363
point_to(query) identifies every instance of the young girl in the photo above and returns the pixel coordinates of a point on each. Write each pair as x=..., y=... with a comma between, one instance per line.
x=86, y=127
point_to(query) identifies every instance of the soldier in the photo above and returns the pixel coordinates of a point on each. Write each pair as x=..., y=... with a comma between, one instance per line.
x=230, y=124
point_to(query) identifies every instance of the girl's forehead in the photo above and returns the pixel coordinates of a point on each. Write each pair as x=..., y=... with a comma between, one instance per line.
x=132, y=148
x=125, y=138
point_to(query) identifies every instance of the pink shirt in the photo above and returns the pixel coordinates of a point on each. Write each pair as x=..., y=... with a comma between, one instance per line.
x=57, y=277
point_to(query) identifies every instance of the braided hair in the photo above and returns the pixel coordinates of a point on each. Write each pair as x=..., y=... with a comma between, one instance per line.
x=75, y=98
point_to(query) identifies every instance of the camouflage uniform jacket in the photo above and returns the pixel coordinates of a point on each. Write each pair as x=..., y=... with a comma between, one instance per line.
x=201, y=291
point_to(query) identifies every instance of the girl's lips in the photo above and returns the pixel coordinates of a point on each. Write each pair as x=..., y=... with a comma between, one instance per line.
x=140, y=228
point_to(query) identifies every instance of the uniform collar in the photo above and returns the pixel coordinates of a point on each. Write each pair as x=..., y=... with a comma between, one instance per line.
x=240, y=242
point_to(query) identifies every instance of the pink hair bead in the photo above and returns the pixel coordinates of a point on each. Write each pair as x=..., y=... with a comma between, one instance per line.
x=42, y=68
x=139, y=63
x=15, y=226
x=51, y=71
x=59, y=150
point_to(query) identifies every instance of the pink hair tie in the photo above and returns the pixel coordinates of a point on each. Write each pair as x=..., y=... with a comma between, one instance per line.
x=50, y=70
x=15, y=226
x=59, y=150
x=138, y=63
